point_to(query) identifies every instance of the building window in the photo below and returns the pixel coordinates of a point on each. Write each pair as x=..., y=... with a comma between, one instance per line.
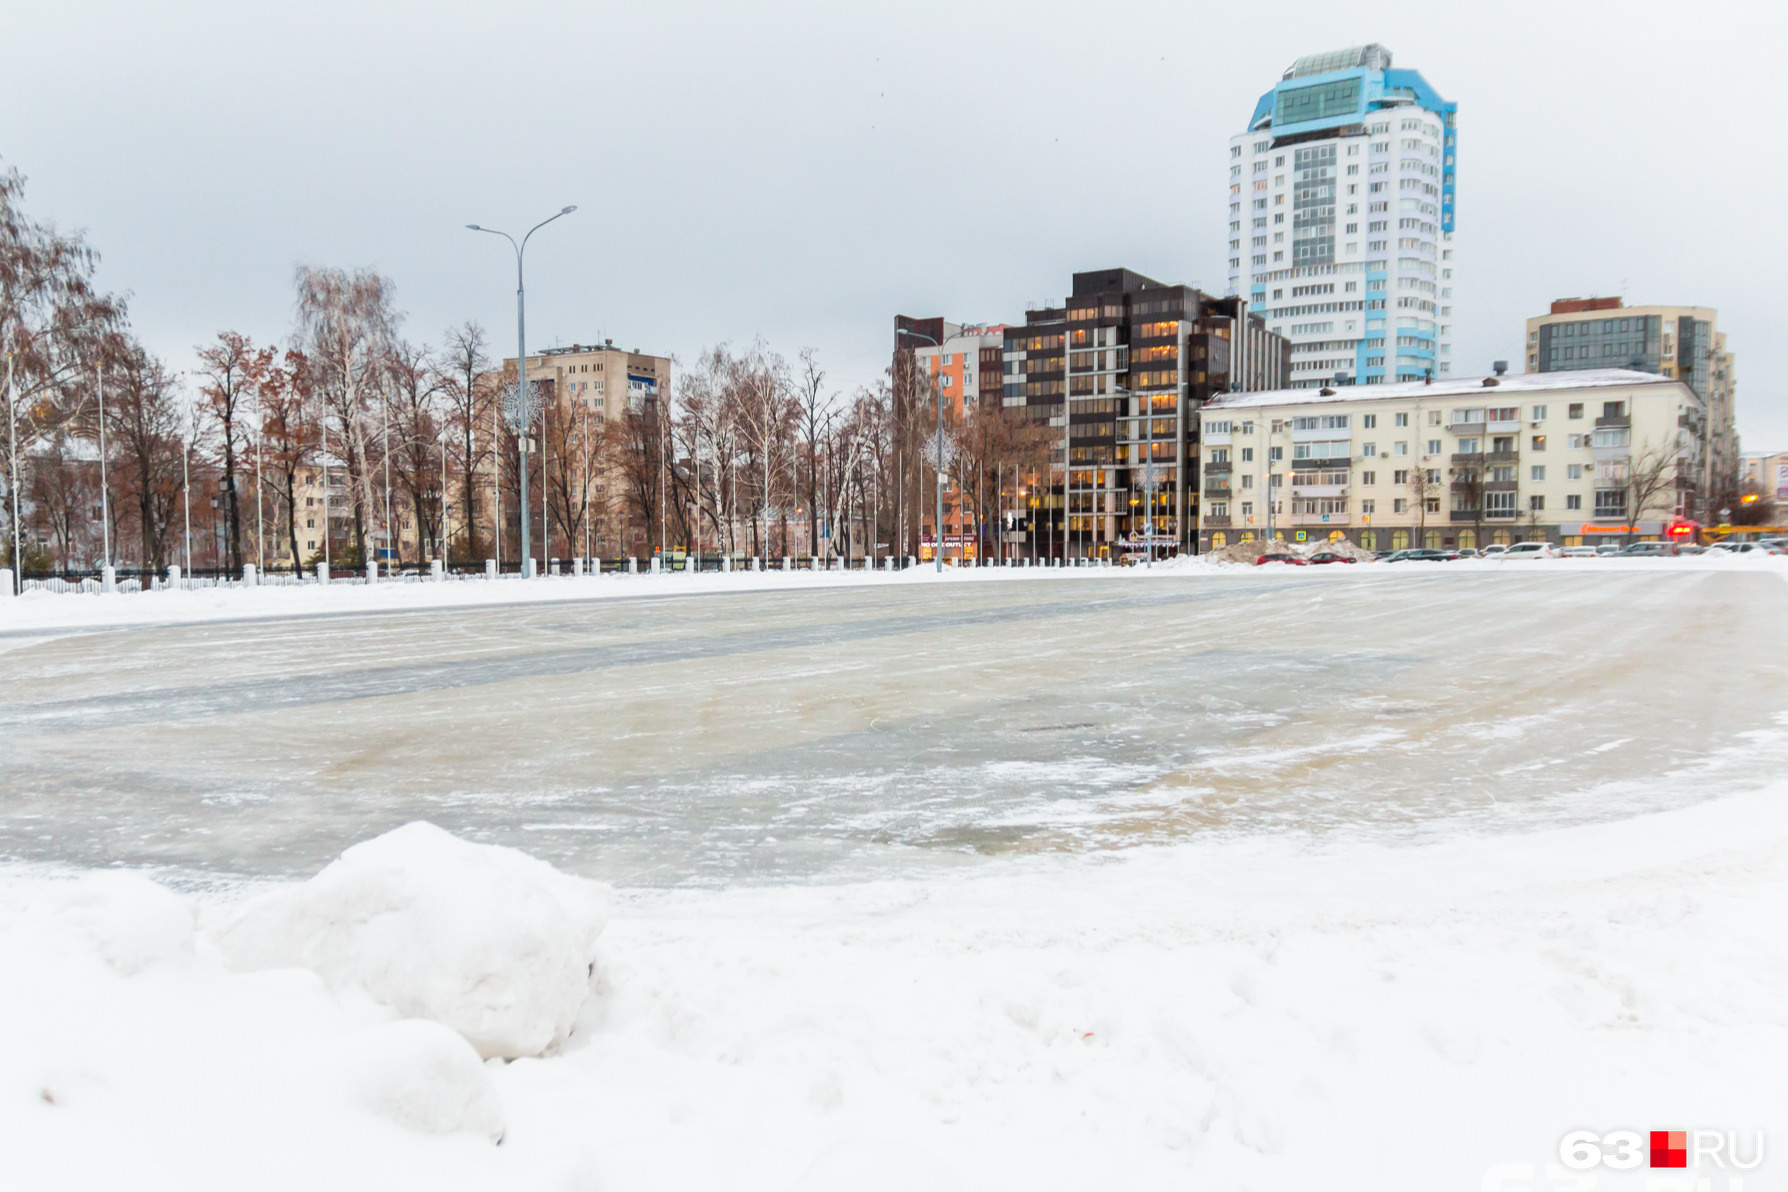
x=1400, y=505
x=1369, y=449
x=1536, y=504
x=1574, y=471
x=1434, y=446
x=1575, y=409
x=1537, y=472
x=1368, y=477
x=1574, y=501
x=1539, y=413
x=1539, y=442
x=1401, y=419
x=1369, y=421
x=1247, y=455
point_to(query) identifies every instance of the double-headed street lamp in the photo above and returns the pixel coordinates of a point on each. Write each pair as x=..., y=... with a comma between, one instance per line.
x=939, y=554
x=521, y=372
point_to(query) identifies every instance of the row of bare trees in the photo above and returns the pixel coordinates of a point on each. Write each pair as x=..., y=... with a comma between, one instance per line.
x=348, y=441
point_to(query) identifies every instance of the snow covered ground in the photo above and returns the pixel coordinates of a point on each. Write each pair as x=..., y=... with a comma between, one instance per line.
x=1353, y=878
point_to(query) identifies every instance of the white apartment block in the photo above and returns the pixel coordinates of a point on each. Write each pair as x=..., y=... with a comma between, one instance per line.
x=1341, y=219
x=1457, y=463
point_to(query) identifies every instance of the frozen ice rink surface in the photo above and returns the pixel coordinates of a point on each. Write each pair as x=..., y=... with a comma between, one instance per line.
x=835, y=734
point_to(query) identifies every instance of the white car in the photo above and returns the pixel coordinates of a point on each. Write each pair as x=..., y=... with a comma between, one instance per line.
x=1579, y=552
x=1495, y=549
x=1531, y=550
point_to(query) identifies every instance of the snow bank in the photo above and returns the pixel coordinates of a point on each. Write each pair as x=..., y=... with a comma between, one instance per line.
x=423, y=1076
x=487, y=940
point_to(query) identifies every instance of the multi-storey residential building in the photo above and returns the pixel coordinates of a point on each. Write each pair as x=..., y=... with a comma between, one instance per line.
x=1341, y=219
x=587, y=385
x=600, y=378
x=1130, y=360
x=1673, y=341
x=1571, y=457
x=1764, y=475
x=1116, y=374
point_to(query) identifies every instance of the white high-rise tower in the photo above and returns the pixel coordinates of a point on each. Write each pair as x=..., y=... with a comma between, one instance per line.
x=1341, y=204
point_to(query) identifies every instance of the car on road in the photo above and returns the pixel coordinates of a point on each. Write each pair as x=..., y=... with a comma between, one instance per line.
x=1330, y=556
x=1752, y=548
x=1649, y=549
x=1421, y=554
x=1531, y=550
x=1494, y=549
x=1579, y=552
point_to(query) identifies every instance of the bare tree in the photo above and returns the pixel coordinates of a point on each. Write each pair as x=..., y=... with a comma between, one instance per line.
x=55, y=328
x=816, y=416
x=416, y=449
x=346, y=324
x=1649, y=477
x=1424, y=486
x=146, y=421
x=289, y=434
x=469, y=390
x=230, y=371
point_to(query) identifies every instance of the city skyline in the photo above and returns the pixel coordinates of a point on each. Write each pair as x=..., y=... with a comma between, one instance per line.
x=717, y=208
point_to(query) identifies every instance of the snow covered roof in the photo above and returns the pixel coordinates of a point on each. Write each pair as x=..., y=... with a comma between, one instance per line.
x=1446, y=387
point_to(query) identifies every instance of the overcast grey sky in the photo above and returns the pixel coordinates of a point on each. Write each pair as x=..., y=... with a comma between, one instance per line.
x=805, y=171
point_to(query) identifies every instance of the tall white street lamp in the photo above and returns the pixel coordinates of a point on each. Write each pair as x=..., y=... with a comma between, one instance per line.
x=521, y=365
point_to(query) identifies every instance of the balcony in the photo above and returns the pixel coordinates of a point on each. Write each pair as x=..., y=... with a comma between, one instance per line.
x=1608, y=420
x=1219, y=492
x=1463, y=515
x=1218, y=469
x=1467, y=457
x=1466, y=428
x=1319, y=490
x=1216, y=521
x=1501, y=457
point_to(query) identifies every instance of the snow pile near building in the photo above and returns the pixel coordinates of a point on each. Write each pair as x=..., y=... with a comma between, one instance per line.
x=487, y=940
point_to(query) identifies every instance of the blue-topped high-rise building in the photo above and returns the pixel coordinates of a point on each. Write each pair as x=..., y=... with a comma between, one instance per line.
x=1342, y=206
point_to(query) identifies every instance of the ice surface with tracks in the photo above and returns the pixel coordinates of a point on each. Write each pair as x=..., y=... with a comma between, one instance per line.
x=1357, y=878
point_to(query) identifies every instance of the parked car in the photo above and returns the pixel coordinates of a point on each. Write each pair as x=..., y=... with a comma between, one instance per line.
x=1496, y=548
x=1649, y=549
x=1608, y=548
x=1421, y=554
x=1285, y=557
x=1467, y=552
x=1765, y=547
x=1531, y=550
x=1329, y=556
x=1579, y=552
x=1779, y=545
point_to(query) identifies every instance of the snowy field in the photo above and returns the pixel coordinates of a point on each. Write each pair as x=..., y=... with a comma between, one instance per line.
x=1349, y=877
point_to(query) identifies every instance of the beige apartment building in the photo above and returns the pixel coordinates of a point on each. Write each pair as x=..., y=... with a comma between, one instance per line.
x=1683, y=342
x=1570, y=457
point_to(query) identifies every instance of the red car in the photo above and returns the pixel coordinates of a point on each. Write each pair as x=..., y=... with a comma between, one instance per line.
x=1329, y=556
x=1294, y=560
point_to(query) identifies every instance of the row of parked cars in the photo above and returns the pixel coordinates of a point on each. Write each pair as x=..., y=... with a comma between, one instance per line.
x=1545, y=550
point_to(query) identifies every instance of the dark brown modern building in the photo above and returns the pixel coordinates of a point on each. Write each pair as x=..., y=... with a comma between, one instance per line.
x=1130, y=360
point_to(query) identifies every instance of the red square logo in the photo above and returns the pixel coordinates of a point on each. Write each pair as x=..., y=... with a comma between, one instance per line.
x=1669, y=1148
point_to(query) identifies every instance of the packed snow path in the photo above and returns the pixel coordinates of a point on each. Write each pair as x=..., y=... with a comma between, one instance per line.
x=868, y=730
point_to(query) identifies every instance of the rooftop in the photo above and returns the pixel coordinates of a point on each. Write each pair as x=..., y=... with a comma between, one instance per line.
x=1450, y=387
x=1371, y=55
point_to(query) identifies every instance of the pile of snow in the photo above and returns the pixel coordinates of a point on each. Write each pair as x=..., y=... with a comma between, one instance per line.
x=487, y=940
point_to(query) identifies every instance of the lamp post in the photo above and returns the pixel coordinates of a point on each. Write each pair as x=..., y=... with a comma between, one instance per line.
x=937, y=555
x=521, y=364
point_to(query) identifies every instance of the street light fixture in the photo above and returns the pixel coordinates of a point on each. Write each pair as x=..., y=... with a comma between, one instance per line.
x=939, y=523
x=521, y=368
